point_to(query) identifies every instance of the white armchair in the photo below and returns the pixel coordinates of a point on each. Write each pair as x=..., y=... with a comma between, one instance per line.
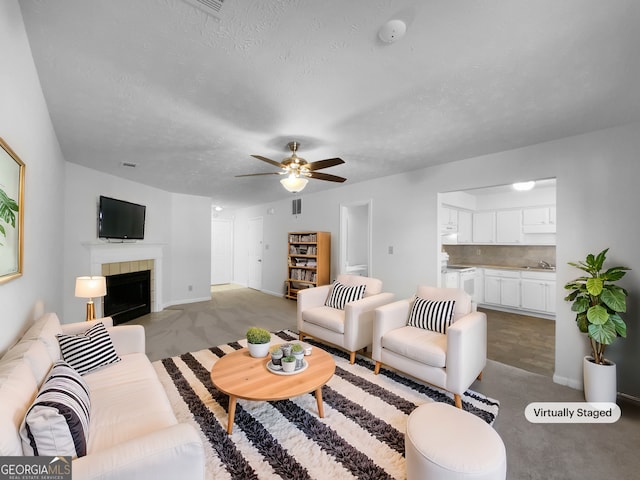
x=351, y=328
x=451, y=361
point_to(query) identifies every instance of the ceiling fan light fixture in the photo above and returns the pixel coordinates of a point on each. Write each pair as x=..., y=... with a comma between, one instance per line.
x=293, y=183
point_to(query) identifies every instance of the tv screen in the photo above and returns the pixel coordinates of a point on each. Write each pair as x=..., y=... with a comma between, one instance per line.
x=118, y=219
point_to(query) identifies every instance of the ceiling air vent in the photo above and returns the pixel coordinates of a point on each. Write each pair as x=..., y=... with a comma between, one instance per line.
x=212, y=7
x=129, y=164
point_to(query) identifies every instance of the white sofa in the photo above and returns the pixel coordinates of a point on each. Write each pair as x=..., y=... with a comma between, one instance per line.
x=133, y=432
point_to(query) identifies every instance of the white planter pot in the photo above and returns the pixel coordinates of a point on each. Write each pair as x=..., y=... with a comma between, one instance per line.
x=599, y=381
x=258, y=350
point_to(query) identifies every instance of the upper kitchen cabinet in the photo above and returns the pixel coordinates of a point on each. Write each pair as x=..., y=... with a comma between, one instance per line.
x=484, y=227
x=539, y=220
x=509, y=226
x=465, y=226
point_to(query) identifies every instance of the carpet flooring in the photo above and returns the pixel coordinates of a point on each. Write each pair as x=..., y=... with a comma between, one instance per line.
x=360, y=436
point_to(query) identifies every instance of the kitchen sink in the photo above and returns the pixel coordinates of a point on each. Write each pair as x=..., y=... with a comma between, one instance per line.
x=529, y=267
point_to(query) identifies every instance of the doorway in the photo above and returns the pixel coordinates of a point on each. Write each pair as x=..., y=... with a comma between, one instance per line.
x=355, y=238
x=493, y=227
x=221, y=251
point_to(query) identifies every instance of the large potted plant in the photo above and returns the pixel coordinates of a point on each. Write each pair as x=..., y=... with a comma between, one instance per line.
x=598, y=302
x=258, y=341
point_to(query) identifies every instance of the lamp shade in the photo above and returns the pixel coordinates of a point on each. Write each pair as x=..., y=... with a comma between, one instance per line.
x=294, y=184
x=91, y=287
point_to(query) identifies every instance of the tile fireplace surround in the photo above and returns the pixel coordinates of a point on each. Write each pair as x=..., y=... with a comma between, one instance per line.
x=113, y=258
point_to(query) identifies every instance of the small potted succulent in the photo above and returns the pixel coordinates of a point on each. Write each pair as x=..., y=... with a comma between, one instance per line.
x=298, y=352
x=289, y=363
x=276, y=357
x=258, y=341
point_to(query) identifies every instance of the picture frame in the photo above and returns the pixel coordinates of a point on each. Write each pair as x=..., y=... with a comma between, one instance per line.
x=11, y=213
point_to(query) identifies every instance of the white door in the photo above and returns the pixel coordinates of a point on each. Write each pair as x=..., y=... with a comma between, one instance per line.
x=221, y=251
x=355, y=238
x=255, y=253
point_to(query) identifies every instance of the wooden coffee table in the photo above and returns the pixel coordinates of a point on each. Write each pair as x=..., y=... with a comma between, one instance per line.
x=240, y=375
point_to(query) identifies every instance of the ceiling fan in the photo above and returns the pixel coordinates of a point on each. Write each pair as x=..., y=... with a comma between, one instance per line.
x=298, y=170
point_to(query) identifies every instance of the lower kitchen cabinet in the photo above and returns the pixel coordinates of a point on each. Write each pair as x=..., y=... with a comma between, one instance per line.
x=538, y=291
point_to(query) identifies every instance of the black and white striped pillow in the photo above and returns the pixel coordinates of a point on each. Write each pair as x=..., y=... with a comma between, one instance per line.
x=57, y=424
x=341, y=295
x=91, y=350
x=431, y=315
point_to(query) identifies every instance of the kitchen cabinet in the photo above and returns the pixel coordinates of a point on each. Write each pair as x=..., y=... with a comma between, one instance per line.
x=509, y=226
x=448, y=220
x=502, y=287
x=539, y=220
x=484, y=227
x=538, y=291
x=465, y=226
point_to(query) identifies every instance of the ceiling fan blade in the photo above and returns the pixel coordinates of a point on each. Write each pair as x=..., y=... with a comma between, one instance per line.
x=257, y=174
x=268, y=160
x=320, y=164
x=326, y=176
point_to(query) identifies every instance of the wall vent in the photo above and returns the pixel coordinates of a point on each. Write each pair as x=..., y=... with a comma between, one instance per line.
x=296, y=206
x=129, y=164
x=212, y=7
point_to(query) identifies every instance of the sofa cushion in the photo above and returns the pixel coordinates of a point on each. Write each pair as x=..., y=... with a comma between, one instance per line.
x=57, y=423
x=424, y=346
x=431, y=315
x=18, y=388
x=36, y=355
x=89, y=351
x=341, y=295
x=325, y=317
x=45, y=330
x=127, y=401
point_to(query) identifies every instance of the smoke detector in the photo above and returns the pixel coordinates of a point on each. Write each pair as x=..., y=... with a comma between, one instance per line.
x=392, y=31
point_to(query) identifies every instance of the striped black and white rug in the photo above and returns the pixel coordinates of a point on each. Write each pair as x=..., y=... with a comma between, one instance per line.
x=361, y=436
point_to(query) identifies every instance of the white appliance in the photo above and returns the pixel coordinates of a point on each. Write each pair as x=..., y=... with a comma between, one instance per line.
x=455, y=276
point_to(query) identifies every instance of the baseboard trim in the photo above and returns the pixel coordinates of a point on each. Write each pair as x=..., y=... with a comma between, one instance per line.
x=568, y=382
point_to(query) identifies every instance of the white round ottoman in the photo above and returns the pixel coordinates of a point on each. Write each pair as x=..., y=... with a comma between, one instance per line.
x=443, y=442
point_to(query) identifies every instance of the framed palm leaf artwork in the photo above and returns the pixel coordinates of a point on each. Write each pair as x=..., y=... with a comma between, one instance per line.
x=11, y=213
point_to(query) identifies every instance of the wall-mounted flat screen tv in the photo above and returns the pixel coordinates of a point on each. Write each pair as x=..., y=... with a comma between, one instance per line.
x=122, y=220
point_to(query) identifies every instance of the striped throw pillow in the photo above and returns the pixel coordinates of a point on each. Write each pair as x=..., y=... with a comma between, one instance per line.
x=57, y=424
x=431, y=315
x=91, y=350
x=341, y=295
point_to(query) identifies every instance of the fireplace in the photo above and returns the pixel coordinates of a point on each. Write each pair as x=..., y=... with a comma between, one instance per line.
x=128, y=296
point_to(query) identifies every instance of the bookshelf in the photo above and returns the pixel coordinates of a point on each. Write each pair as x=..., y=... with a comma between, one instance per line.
x=309, y=260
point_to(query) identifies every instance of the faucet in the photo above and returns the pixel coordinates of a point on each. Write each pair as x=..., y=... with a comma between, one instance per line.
x=543, y=264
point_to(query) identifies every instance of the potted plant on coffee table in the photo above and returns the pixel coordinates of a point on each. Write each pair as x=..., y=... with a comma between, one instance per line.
x=598, y=302
x=289, y=363
x=258, y=341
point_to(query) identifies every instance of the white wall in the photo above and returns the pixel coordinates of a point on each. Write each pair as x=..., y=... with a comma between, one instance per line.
x=597, y=198
x=181, y=224
x=26, y=127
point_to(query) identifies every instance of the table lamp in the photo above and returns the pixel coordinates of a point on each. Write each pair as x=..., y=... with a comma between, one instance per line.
x=91, y=287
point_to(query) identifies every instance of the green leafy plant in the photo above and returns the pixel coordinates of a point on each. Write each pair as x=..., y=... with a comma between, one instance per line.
x=598, y=302
x=276, y=350
x=297, y=348
x=8, y=210
x=258, y=335
x=289, y=359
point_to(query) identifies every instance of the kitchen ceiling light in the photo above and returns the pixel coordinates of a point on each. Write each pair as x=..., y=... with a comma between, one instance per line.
x=293, y=183
x=524, y=186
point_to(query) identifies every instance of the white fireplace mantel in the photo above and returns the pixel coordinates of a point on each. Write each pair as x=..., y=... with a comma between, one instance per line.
x=103, y=252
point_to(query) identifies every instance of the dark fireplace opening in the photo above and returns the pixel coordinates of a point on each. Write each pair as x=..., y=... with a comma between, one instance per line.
x=128, y=296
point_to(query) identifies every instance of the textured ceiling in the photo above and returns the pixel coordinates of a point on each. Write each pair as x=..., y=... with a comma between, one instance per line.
x=188, y=97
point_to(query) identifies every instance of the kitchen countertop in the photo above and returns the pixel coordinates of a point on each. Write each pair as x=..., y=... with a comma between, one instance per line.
x=506, y=267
